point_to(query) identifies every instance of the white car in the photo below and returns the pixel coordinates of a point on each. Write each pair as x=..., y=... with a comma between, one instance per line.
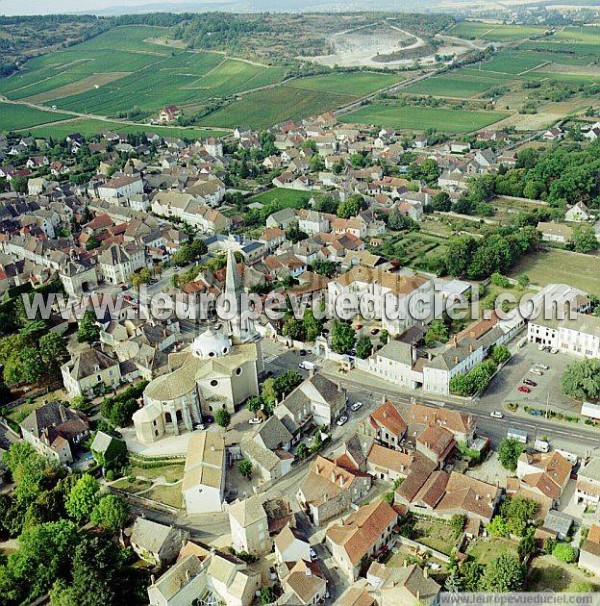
x=255, y=421
x=200, y=426
x=356, y=406
x=536, y=371
x=313, y=554
x=496, y=414
x=554, y=350
x=542, y=347
x=543, y=366
x=343, y=419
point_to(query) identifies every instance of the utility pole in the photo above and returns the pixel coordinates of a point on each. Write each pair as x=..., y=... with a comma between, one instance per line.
x=547, y=402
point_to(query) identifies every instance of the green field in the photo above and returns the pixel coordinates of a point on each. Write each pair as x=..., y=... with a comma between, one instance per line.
x=358, y=84
x=561, y=267
x=409, y=117
x=89, y=127
x=454, y=86
x=92, y=78
x=267, y=107
x=473, y=30
x=285, y=197
x=16, y=117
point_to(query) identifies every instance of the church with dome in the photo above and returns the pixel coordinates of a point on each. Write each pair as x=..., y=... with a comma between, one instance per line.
x=220, y=369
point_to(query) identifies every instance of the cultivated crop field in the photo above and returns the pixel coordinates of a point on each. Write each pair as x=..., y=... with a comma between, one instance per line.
x=407, y=117
x=267, y=107
x=358, y=84
x=17, y=117
x=454, y=86
x=472, y=30
x=88, y=127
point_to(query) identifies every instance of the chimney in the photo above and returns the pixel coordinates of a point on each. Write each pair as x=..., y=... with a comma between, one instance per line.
x=426, y=572
x=456, y=359
x=471, y=348
x=152, y=579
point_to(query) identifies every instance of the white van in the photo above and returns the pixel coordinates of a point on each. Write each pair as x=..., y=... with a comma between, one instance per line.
x=541, y=446
x=306, y=365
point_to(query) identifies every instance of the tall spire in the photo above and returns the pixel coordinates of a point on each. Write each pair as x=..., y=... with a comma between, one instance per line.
x=241, y=327
x=233, y=281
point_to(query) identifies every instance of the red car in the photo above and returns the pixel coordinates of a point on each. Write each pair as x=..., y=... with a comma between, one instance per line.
x=524, y=389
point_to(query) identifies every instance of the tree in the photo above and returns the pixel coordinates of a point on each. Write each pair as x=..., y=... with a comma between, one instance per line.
x=364, y=348
x=526, y=545
x=245, y=468
x=222, y=417
x=144, y=276
x=312, y=326
x=453, y=583
x=581, y=380
x=111, y=513
x=302, y=451
x=384, y=336
x=53, y=349
x=509, y=452
x=343, y=338
x=500, y=354
x=471, y=576
x=441, y=202
x=523, y=281
x=564, y=552
x=294, y=234
x=398, y=221
x=88, y=331
x=43, y=556
x=503, y=574
x=518, y=512
x=350, y=207
x=294, y=329
x=267, y=596
x=19, y=183
x=83, y=498
x=584, y=238
x=497, y=527
x=254, y=404
x=24, y=366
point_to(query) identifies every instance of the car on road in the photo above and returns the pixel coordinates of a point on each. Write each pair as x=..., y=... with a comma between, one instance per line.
x=496, y=414
x=529, y=382
x=356, y=406
x=524, y=389
x=200, y=426
x=542, y=366
x=342, y=420
x=123, y=286
x=128, y=298
x=302, y=352
x=536, y=371
x=313, y=554
x=325, y=331
x=255, y=421
x=542, y=347
x=375, y=331
x=554, y=350
x=217, y=326
x=306, y=365
x=358, y=326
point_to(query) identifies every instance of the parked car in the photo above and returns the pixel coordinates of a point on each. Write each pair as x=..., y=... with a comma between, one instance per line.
x=536, y=371
x=255, y=421
x=200, y=426
x=524, y=389
x=306, y=365
x=356, y=406
x=554, y=350
x=375, y=331
x=542, y=347
x=209, y=420
x=496, y=414
x=358, y=326
x=342, y=420
x=313, y=554
x=542, y=366
x=529, y=382
x=302, y=352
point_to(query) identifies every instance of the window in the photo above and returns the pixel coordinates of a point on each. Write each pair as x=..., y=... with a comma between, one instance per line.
x=214, y=383
x=238, y=371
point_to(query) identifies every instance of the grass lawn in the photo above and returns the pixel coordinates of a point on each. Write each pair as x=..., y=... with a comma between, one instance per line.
x=131, y=486
x=561, y=267
x=89, y=127
x=283, y=196
x=171, y=473
x=16, y=117
x=491, y=31
x=435, y=534
x=408, y=117
x=265, y=108
x=548, y=573
x=169, y=495
x=486, y=549
x=358, y=84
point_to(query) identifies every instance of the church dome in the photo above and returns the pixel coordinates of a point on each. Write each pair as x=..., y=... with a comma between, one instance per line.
x=211, y=344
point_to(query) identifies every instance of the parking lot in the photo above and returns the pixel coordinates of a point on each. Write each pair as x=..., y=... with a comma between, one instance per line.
x=505, y=386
